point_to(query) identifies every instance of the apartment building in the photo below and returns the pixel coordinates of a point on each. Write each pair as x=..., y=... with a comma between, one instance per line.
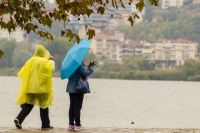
x=195, y=1
x=171, y=3
x=169, y=53
x=106, y=44
x=165, y=53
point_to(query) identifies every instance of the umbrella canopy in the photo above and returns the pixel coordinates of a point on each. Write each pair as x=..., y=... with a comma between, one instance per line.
x=74, y=58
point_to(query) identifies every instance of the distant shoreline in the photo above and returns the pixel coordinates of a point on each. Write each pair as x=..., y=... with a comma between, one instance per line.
x=141, y=76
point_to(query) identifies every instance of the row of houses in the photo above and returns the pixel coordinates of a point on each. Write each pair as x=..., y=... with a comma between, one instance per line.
x=166, y=53
x=165, y=4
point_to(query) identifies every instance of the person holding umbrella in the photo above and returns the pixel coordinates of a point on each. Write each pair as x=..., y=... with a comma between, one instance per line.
x=36, y=86
x=76, y=71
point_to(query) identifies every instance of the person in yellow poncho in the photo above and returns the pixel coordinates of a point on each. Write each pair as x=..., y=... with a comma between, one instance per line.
x=36, y=86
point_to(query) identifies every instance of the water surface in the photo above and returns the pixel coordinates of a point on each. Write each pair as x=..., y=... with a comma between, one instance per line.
x=114, y=103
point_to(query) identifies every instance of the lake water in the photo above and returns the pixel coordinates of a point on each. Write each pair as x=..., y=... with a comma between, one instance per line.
x=114, y=103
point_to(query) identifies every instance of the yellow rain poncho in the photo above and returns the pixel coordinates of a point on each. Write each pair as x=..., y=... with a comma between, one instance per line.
x=36, y=80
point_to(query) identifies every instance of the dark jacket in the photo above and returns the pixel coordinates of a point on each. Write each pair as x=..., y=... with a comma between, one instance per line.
x=74, y=78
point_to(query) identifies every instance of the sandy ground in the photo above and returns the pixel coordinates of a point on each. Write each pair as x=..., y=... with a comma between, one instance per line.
x=101, y=130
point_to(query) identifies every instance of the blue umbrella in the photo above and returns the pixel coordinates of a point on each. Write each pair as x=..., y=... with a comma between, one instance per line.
x=74, y=58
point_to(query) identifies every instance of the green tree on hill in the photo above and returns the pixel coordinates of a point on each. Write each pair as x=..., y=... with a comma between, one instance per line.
x=187, y=28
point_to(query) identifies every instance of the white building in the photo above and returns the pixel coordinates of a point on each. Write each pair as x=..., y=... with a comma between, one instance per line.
x=174, y=52
x=17, y=35
x=106, y=43
x=171, y=3
x=196, y=2
x=165, y=53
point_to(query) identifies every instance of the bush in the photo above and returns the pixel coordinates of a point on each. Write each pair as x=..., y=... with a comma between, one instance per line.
x=194, y=78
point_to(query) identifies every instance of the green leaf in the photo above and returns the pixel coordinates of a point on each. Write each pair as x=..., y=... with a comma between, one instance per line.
x=113, y=3
x=101, y=10
x=122, y=4
x=2, y=24
x=49, y=36
x=62, y=33
x=154, y=2
x=46, y=35
x=10, y=25
x=77, y=38
x=30, y=27
x=90, y=33
x=1, y=53
x=140, y=5
x=46, y=21
x=136, y=16
x=130, y=19
x=69, y=34
x=89, y=12
x=67, y=6
x=41, y=33
x=116, y=5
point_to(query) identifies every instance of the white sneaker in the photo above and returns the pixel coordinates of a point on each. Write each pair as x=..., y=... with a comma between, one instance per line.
x=71, y=127
x=79, y=128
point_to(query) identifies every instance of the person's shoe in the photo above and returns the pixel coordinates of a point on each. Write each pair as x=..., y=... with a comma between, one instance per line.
x=17, y=124
x=79, y=128
x=71, y=127
x=47, y=128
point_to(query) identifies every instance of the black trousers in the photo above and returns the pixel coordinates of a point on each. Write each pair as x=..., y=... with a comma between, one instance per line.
x=26, y=109
x=76, y=101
